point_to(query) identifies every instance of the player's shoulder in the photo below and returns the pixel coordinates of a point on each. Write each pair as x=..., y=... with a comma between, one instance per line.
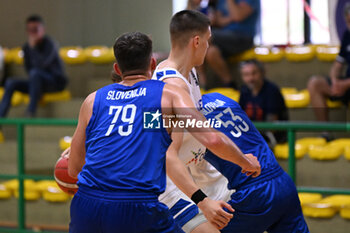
x=214, y=102
x=215, y=96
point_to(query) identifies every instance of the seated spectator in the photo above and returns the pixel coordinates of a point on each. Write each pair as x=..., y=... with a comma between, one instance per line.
x=236, y=22
x=207, y=7
x=43, y=65
x=262, y=99
x=337, y=86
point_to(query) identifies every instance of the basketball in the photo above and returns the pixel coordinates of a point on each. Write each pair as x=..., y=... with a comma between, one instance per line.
x=67, y=183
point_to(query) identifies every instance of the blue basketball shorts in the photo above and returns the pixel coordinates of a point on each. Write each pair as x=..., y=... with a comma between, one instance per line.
x=91, y=213
x=271, y=205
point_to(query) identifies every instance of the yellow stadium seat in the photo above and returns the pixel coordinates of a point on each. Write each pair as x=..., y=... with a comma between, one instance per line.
x=7, y=56
x=13, y=184
x=347, y=152
x=327, y=152
x=297, y=100
x=73, y=55
x=327, y=53
x=228, y=92
x=337, y=200
x=247, y=55
x=99, y=54
x=266, y=54
x=51, y=192
x=300, y=53
x=334, y=104
x=340, y=143
x=310, y=142
x=17, y=55
x=4, y=192
x=2, y=138
x=49, y=97
x=307, y=198
x=288, y=90
x=345, y=212
x=65, y=142
x=17, y=99
x=30, y=191
x=319, y=210
x=281, y=151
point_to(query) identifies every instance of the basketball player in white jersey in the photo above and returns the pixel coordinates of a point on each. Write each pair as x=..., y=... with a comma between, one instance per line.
x=190, y=32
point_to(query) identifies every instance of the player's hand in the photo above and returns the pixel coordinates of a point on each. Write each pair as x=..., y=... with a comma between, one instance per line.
x=253, y=169
x=65, y=153
x=214, y=212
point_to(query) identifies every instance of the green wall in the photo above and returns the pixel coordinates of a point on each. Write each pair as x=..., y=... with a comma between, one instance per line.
x=87, y=22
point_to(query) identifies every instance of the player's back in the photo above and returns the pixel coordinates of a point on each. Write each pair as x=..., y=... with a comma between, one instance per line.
x=120, y=154
x=237, y=126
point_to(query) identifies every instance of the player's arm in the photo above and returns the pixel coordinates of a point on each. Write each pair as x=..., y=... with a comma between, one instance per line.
x=77, y=150
x=214, y=140
x=178, y=173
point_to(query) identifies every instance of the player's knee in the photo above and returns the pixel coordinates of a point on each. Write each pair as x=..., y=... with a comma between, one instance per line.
x=10, y=85
x=314, y=83
x=34, y=74
x=205, y=227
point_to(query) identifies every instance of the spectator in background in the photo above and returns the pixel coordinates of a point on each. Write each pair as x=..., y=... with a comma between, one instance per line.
x=207, y=7
x=262, y=99
x=236, y=22
x=43, y=65
x=335, y=87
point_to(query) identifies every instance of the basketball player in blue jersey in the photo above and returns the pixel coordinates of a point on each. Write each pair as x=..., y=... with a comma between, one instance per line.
x=267, y=203
x=120, y=164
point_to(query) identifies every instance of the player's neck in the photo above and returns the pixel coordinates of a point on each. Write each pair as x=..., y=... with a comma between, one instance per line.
x=129, y=80
x=180, y=61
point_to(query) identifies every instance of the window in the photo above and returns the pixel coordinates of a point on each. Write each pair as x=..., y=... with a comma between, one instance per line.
x=282, y=22
x=319, y=22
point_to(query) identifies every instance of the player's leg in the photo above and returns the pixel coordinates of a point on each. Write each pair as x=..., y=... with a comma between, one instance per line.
x=85, y=214
x=218, y=64
x=319, y=90
x=288, y=204
x=39, y=81
x=199, y=224
x=137, y=216
x=11, y=86
x=187, y=215
x=252, y=207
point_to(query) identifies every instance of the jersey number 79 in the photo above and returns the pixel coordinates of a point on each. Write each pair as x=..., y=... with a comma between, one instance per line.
x=124, y=110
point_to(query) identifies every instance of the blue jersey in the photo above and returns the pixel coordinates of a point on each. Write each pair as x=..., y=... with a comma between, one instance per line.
x=237, y=126
x=121, y=153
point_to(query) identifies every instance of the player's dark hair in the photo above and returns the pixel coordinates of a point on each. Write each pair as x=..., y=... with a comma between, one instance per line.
x=34, y=19
x=186, y=24
x=133, y=51
x=255, y=62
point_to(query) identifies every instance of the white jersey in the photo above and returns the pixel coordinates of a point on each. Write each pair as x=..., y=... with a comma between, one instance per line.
x=191, y=152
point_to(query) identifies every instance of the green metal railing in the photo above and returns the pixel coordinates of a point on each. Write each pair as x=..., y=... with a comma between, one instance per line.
x=290, y=127
x=21, y=176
